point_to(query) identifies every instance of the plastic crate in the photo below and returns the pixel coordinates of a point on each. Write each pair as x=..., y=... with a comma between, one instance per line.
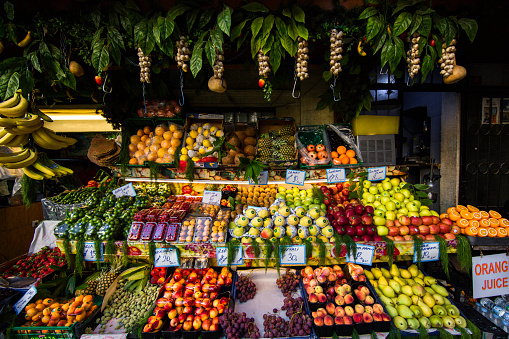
x=377, y=150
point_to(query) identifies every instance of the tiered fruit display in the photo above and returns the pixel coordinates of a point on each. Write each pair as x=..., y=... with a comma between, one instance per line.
x=244, y=144
x=277, y=144
x=255, y=196
x=237, y=325
x=37, y=265
x=190, y=300
x=414, y=299
x=48, y=312
x=199, y=141
x=343, y=156
x=73, y=197
x=477, y=223
x=160, y=145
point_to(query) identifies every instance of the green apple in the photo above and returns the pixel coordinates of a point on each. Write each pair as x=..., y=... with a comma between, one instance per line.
x=281, y=189
x=378, y=220
x=412, y=207
x=316, y=201
x=425, y=213
x=397, y=203
x=382, y=230
x=386, y=194
x=296, y=190
x=366, y=183
x=385, y=200
x=387, y=186
x=309, y=191
x=390, y=205
x=395, y=182
x=373, y=190
x=364, y=195
x=323, y=207
x=413, y=214
x=370, y=198
x=378, y=196
x=382, y=208
x=378, y=212
x=238, y=231
x=390, y=215
x=380, y=188
x=412, y=198
x=310, y=199
x=392, y=192
x=399, y=196
x=403, y=210
x=254, y=231
x=435, y=213
x=386, y=180
x=377, y=203
x=232, y=225
x=397, y=189
x=417, y=203
x=280, y=196
x=365, y=189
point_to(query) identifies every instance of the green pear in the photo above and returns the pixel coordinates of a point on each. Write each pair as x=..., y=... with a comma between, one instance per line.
x=448, y=322
x=426, y=310
x=452, y=311
x=383, y=281
x=387, y=291
x=400, y=323
x=417, y=311
x=395, y=286
x=404, y=311
x=460, y=321
x=377, y=290
x=386, y=273
x=428, y=280
x=410, y=281
x=440, y=290
x=428, y=299
x=429, y=290
x=402, y=282
x=374, y=283
x=385, y=300
x=439, y=310
x=447, y=301
x=416, y=299
x=376, y=272
x=436, y=321
x=419, y=281
x=404, y=273
x=425, y=322
x=418, y=290
x=439, y=300
x=414, y=270
x=391, y=310
x=413, y=323
x=404, y=299
x=369, y=275
x=420, y=275
x=394, y=270
x=407, y=289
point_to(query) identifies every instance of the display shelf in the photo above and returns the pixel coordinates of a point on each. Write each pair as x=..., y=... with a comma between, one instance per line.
x=215, y=182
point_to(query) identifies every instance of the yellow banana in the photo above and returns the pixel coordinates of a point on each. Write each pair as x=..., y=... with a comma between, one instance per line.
x=26, y=41
x=33, y=173
x=27, y=122
x=43, y=169
x=43, y=143
x=7, y=122
x=46, y=137
x=3, y=133
x=45, y=161
x=18, y=141
x=359, y=49
x=32, y=158
x=68, y=141
x=29, y=129
x=17, y=111
x=14, y=157
x=14, y=130
x=53, y=165
x=12, y=101
x=7, y=138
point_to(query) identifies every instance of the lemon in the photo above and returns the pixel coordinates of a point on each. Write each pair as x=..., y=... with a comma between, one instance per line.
x=206, y=133
x=184, y=151
x=189, y=147
x=213, y=129
x=194, y=127
x=184, y=157
x=193, y=134
x=219, y=133
x=189, y=140
x=202, y=150
x=200, y=129
x=206, y=143
x=210, y=149
x=195, y=159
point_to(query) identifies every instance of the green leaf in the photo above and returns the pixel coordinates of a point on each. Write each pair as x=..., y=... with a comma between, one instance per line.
x=191, y=18
x=421, y=194
x=224, y=20
x=366, y=100
x=115, y=37
x=217, y=38
x=26, y=82
x=303, y=31
x=368, y=12
x=196, y=60
x=440, y=24
x=281, y=28
x=373, y=27
x=9, y=84
x=394, y=56
x=275, y=58
x=292, y=29
x=380, y=41
x=416, y=22
x=267, y=43
x=425, y=27
x=69, y=80
x=399, y=45
x=255, y=7
x=289, y=45
x=11, y=64
x=205, y=17
x=256, y=25
x=427, y=66
x=144, y=37
x=9, y=10
x=132, y=5
x=177, y=10
x=401, y=5
x=210, y=52
x=286, y=12
x=126, y=24
x=165, y=27
x=386, y=52
x=426, y=202
x=104, y=59
x=268, y=23
x=237, y=30
x=11, y=32
x=421, y=187
x=326, y=75
x=425, y=12
x=298, y=14
x=470, y=27
x=255, y=45
x=402, y=22
x=95, y=16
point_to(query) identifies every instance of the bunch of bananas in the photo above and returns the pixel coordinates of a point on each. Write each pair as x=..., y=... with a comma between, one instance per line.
x=14, y=107
x=36, y=166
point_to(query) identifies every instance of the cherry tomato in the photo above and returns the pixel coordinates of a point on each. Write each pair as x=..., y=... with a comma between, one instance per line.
x=432, y=43
x=261, y=82
x=99, y=79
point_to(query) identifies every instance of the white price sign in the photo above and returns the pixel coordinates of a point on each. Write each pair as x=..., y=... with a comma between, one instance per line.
x=377, y=173
x=104, y=336
x=430, y=251
x=490, y=275
x=166, y=257
x=263, y=179
x=335, y=175
x=125, y=190
x=222, y=256
x=294, y=255
x=294, y=177
x=89, y=253
x=211, y=197
x=20, y=305
x=364, y=255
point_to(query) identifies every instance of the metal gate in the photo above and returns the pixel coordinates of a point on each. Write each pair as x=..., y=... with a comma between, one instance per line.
x=485, y=151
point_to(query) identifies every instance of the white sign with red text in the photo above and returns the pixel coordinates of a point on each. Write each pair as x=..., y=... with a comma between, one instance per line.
x=490, y=275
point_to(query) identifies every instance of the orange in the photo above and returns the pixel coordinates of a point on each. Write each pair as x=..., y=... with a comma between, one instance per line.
x=345, y=160
x=334, y=154
x=471, y=231
x=350, y=153
x=172, y=150
x=473, y=223
x=148, y=141
x=167, y=135
x=492, y=232
x=175, y=142
x=341, y=149
x=461, y=207
x=143, y=138
x=485, y=215
x=494, y=222
x=140, y=146
x=39, y=301
x=462, y=223
x=501, y=232
x=173, y=128
x=45, y=319
x=160, y=130
x=40, y=307
x=165, y=144
x=466, y=214
x=141, y=160
x=81, y=317
x=451, y=210
x=477, y=215
x=444, y=215
x=132, y=147
x=504, y=222
x=29, y=306
x=353, y=161
x=152, y=156
x=454, y=215
x=135, y=139
x=177, y=135
x=161, y=152
x=472, y=208
x=482, y=232
x=147, y=130
x=139, y=133
x=495, y=214
x=484, y=222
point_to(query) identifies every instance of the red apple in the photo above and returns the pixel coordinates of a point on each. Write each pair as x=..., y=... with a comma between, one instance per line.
x=404, y=230
x=423, y=229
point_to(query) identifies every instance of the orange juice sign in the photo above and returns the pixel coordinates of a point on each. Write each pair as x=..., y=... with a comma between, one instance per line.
x=490, y=275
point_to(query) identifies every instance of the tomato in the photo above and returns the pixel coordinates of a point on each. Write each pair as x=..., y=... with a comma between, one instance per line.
x=99, y=79
x=261, y=82
x=432, y=43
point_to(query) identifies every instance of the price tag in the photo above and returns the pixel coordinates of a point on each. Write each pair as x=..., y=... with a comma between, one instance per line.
x=377, y=173
x=222, y=256
x=125, y=190
x=211, y=197
x=166, y=257
x=104, y=336
x=263, y=179
x=335, y=175
x=294, y=177
x=430, y=251
x=89, y=253
x=364, y=255
x=20, y=305
x=294, y=255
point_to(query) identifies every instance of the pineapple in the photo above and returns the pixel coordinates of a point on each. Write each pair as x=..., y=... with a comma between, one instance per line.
x=287, y=157
x=265, y=152
x=265, y=143
x=279, y=142
x=287, y=150
x=286, y=130
x=92, y=286
x=108, y=277
x=290, y=140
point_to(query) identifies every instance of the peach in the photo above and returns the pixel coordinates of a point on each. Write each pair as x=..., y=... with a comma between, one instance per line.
x=339, y=300
x=349, y=310
x=339, y=311
x=323, y=298
x=330, y=308
x=318, y=321
x=377, y=317
x=357, y=318
x=359, y=308
x=313, y=298
x=377, y=308
x=348, y=299
x=368, y=309
x=338, y=320
x=369, y=300
x=321, y=312
x=328, y=320
x=367, y=318
x=347, y=320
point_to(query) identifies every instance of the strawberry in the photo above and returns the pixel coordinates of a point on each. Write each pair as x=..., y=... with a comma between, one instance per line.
x=261, y=82
x=99, y=80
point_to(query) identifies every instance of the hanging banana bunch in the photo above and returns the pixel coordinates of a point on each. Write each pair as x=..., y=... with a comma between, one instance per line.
x=144, y=63
x=301, y=67
x=183, y=54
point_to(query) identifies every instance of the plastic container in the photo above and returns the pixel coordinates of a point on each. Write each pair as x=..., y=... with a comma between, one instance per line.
x=375, y=124
x=172, y=232
x=135, y=231
x=313, y=146
x=342, y=135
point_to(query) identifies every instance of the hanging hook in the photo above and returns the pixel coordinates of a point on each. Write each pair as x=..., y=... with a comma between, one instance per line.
x=333, y=87
x=293, y=91
x=222, y=83
x=144, y=101
x=384, y=73
x=181, y=103
x=408, y=81
x=105, y=91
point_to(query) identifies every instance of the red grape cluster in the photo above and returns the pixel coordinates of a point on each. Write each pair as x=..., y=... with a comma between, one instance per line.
x=237, y=325
x=246, y=289
x=292, y=306
x=288, y=283
x=300, y=325
x=274, y=326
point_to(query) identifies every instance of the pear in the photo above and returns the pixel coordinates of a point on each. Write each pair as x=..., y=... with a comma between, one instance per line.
x=404, y=273
x=413, y=323
x=428, y=299
x=429, y=290
x=416, y=299
x=449, y=322
x=452, y=311
x=436, y=321
x=426, y=310
x=439, y=300
x=387, y=291
x=429, y=280
x=414, y=271
x=382, y=281
x=391, y=310
x=440, y=290
x=376, y=272
x=460, y=321
x=418, y=290
x=410, y=281
x=447, y=301
x=419, y=281
x=439, y=310
x=404, y=311
x=404, y=299
x=417, y=311
x=386, y=273
x=420, y=275
x=394, y=270
x=425, y=322
x=402, y=282
x=377, y=290
x=369, y=275
x=407, y=289
x=375, y=283
x=400, y=323
x=385, y=300
x=395, y=301
x=395, y=286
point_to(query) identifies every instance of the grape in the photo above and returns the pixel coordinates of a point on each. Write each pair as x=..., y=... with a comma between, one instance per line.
x=300, y=323
x=274, y=326
x=246, y=289
x=288, y=283
x=237, y=325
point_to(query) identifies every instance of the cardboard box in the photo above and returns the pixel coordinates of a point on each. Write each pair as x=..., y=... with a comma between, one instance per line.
x=237, y=128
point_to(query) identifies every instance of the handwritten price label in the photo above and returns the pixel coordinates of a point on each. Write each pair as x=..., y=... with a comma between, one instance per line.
x=211, y=197
x=20, y=305
x=430, y=251
x=89, y=253
x=263, y=179
x=166, y=257
x=377, y=173
x=125, y=190
x=294, y=177
x=364, y=255
x=294, y=255
x=222, y=256
x=335, y=175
